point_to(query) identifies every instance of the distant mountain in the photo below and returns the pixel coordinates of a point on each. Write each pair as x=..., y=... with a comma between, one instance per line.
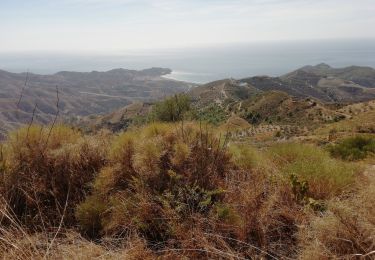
x=364, y=76
x=321, y=82
x=309, y=95
x=80, y=93
x=327, y=84
x=351, y=84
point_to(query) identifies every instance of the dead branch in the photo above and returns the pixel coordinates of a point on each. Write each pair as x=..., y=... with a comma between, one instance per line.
x=56, y=116
x=31, y=121
x=23, y=89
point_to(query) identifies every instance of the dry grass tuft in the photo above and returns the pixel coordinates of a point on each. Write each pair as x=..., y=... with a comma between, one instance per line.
x=345, y=231
x=46, y=173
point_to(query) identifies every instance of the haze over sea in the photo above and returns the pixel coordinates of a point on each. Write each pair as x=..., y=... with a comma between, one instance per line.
x=207, y=63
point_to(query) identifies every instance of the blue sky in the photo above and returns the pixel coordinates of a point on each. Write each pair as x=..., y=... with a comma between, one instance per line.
x=115, y=25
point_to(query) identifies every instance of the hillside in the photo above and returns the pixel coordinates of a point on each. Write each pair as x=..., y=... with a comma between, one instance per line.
x=364, y=76
x=320, y=82
x=351, y=84
x=119, y=119
x=221, y=92
x=305, y=96
x=360, y=120
x=301, y=98
x=80, y=94
x=267, y=103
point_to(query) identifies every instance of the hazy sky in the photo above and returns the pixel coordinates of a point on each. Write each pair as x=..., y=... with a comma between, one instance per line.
x=112, y=25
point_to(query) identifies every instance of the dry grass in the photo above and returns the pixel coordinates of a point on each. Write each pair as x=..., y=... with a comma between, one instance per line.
x=326, y=177
x=362, y=122
x=182, y=189
x=177, y=191
x=346, y=230
x=16, y=242
x=47, y=172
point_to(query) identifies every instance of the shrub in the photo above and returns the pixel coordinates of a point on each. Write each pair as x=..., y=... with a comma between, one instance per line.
x=182, y=188
x=47, y=172
x=171, y=109
x=353, y=148
x=89, y=215
x=212, y=114
x=253, y=117
x=155, y=172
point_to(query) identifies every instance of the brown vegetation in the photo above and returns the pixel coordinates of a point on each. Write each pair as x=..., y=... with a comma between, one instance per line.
x=177, y=190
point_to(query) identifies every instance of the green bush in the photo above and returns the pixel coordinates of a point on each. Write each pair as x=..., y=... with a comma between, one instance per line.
x=171, y=109
x=253, y=118
x=353, y=148
x=213, y=114
x=89, y=214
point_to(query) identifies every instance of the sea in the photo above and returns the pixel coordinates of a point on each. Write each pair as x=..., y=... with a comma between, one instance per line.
x=206, y=63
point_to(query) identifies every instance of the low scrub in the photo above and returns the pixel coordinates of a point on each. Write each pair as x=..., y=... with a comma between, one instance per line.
x=155, y=172
x=177, y=190
x=182, y=188
x=45, y=173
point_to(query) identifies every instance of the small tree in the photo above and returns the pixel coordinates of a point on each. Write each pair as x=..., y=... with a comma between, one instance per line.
x=171, y=109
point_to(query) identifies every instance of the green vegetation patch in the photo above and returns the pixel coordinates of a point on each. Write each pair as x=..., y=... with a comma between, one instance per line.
x=353, y=148
x=171, y=109
x=212, y=114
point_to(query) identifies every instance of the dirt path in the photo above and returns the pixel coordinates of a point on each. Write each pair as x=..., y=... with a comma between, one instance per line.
x=102, y=95
x=223, y=92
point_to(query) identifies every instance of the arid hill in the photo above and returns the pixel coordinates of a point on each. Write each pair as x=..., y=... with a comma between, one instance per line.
x=310, y=90
x=80, y=93
x=307, y=97
x=351, y=84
